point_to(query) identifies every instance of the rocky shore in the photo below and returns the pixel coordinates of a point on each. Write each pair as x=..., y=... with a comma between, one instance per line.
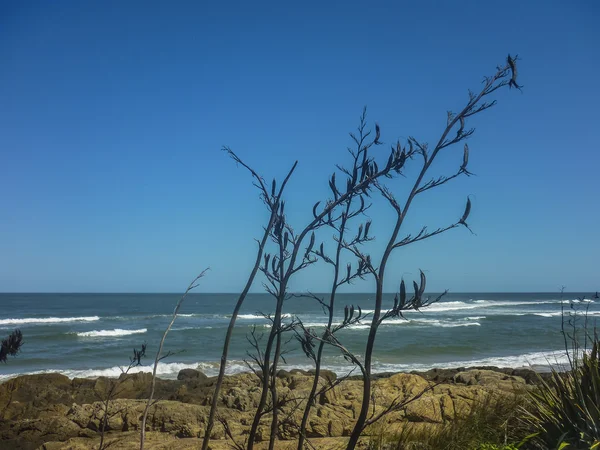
x=53, y=412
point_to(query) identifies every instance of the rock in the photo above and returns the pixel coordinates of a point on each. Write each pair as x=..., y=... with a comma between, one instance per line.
x=52, y=408
x=190, y=374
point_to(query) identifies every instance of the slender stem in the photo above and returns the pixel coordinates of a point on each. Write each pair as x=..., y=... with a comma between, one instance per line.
x=330, y=310
x=191, y=286
x=401, y=214
x=273, y=204
x=274, y=397
x=231, y=326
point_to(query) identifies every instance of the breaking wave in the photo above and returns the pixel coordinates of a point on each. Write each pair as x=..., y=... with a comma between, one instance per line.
x=111, y=333
x=31, y=320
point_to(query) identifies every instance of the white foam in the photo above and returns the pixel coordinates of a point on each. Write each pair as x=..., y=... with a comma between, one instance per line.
x=477, y=304
x=29, y=320
x=111, y=333
x=259, y=316
x=163, y=370
x=548, y=314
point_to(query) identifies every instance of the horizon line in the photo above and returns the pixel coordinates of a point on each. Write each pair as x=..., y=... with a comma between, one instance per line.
x=266, y=293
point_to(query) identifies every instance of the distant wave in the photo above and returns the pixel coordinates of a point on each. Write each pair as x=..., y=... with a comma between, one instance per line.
x=541, y=361
x=164, y=370
x=29, y=320
x=259, y=316
x=111, y=333
x=432, y=323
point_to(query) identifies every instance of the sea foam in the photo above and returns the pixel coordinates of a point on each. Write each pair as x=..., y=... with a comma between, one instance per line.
x=41, y=320
x=111, y=333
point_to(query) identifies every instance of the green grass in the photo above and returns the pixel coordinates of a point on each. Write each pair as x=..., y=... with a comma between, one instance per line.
x=490, y=425
x=565, y=412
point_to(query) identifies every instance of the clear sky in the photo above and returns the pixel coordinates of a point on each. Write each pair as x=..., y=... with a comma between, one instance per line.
x=112, y=116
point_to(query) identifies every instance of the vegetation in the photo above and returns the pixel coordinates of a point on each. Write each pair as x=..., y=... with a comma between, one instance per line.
x=492, y=424
x=284, y=251
x=565, y=411
x=11, y=345
x=111, y=391
x=159, y=356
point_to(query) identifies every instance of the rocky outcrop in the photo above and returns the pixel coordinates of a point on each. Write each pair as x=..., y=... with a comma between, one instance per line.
x=45, y=410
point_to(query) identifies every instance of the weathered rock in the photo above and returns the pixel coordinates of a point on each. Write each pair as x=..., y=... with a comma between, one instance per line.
x=190, y=374
x=53, y=408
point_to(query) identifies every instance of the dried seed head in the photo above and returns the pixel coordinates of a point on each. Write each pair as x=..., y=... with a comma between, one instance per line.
x=315, y=209
x=465, y=158
x=367, y=227
x=465, y=216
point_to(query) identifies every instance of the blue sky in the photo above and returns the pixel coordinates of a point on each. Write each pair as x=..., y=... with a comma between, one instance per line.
x=113, y=115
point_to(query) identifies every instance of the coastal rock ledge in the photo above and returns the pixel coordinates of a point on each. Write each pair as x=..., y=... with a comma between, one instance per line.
x=52, y=412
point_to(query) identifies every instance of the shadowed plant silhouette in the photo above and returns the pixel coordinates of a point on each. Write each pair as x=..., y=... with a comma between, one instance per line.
x=159, y=356
x=565, y=410
x=283, y=252
x=11, y=345
x=111, y=390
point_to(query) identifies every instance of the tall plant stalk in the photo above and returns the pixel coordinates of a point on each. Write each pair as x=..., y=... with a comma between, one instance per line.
x=160, y=356
x=360, y=179
x=272, y=201
x=474, y=106
x=359, y=156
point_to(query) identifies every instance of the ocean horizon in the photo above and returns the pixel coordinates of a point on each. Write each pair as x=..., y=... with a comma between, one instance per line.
x=93, y=334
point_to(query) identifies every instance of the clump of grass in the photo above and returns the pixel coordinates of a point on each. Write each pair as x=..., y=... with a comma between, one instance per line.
x=491, y=424
x=565, y=411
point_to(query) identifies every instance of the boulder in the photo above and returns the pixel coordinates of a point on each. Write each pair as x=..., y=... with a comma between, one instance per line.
x=190, y=374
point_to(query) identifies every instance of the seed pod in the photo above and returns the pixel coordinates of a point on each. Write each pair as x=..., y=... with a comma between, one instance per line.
x=354, y=174
x=375, y=167
x=267, y=257
x=322, y=253
x=348, y=185
x=346, y=314
x=377, y=134
x=364, y=168
x=390, y=160
x=360, y=230
x=401, y=160
x=281, y=208
x=315, y=209
x=416, y=288
x=465, y=158
x=274, y=265
x=362, y=203
x=273, y=187
x=349, y=268
x=310, y=244
x=465, y=216
x=367, y=226
x=285, y=240
x=402, y=294
x=351, y=312
x=423, y=283
x=333, y=187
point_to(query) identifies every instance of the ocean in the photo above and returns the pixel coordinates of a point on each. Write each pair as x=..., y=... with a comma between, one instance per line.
x=90, y=335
